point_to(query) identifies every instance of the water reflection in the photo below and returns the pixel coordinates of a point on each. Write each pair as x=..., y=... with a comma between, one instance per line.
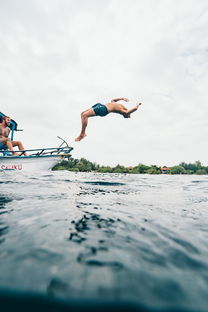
x=4, y=200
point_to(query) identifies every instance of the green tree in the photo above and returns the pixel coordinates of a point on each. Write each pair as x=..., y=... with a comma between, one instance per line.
x=104, y=169
x=192, y=168
x=177, y=170
x=153, y=170
x=85, y=165
x=142, y=168
x=201, y=171
x=120, y=169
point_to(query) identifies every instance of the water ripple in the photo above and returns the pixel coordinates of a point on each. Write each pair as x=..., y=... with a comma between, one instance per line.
x=129, y=238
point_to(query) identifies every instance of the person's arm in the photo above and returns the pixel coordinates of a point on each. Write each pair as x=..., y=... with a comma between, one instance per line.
x=1, y=131
x=120, y=99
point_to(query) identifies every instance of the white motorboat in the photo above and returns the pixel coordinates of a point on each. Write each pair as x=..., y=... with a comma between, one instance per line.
x=37, y=159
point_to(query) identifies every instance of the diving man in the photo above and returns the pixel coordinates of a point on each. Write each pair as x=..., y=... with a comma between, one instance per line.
x=103, y=110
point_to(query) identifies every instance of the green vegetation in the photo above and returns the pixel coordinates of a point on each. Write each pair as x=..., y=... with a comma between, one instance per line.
x=83, y=165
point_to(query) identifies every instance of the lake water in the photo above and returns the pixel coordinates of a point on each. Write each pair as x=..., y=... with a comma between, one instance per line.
x=134, y=241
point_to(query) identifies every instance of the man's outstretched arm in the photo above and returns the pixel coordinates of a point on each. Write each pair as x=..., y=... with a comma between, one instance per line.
x=120, y=99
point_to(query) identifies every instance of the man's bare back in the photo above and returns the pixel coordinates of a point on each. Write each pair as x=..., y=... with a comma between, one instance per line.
x=114, y=107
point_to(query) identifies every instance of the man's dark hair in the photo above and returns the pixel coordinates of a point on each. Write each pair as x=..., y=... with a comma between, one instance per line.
x=4, y=117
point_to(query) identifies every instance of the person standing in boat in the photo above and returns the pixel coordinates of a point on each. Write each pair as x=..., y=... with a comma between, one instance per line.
x=103, y=110
x=4, y=137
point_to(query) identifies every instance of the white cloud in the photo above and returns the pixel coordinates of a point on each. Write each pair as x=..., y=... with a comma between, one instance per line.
x=58, y=58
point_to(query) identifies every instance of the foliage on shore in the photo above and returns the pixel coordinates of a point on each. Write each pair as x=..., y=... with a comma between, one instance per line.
x=84, y=165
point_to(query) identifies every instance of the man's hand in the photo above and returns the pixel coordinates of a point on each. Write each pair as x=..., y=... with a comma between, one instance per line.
x=125, y=99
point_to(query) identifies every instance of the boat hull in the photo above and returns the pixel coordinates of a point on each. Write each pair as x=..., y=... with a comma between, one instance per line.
x=29, y=163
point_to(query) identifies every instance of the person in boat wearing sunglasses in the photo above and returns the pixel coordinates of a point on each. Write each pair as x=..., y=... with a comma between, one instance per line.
x=4, y=137
x=103, y=110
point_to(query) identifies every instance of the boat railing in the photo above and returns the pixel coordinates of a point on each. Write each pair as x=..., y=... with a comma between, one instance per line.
x=62, y=151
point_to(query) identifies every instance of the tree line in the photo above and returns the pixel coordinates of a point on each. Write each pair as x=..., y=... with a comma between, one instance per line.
x=84, y=165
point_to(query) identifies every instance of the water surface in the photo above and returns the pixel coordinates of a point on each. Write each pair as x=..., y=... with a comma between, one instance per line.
x=137, y=239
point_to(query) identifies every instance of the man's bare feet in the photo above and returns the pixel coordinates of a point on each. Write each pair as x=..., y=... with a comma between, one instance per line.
x=15, y=154
x=80, y=137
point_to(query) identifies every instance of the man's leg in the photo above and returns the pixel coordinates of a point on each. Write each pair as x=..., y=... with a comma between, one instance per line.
x=19, y=145
x=84, y=118
x=10, y=147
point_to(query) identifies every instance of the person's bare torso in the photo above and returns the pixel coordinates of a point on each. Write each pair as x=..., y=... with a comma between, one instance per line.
x=4, y=131
x=113, y=106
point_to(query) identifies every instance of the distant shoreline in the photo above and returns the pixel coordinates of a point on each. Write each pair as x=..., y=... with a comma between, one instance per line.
x=84, y=165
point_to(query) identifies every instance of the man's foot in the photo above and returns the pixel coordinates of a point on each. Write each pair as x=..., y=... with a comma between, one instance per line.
x=15, y=154
x=80, y=137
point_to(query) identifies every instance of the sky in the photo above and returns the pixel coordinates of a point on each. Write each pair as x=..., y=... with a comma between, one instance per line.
x=60, y=57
